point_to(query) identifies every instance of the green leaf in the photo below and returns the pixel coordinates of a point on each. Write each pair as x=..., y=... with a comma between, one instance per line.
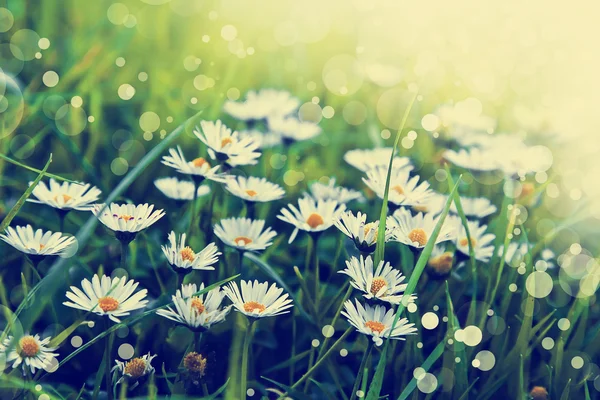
x=565, y=393
x=377, y=381
x=459, y=369
x=429, y=361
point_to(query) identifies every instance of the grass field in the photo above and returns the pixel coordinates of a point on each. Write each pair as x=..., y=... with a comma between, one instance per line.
x=490, y=298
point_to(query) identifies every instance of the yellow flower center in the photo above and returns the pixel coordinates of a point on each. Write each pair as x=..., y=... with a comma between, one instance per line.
x=375, y=326
x=200, y=162
x=398, y=189
x=28, y=346
x=314, y=220
x=194, y=362
x=242, y=240
x=418, y=235
x=420, y=208
x=252, y=306
x=135, y=368
x=369, y=227
x=108, y=303
x=187, y=254
x=198, y=305
x=442, y=264
x=65, y=197
x=226, y=141
x=42, y=246
x=526, y=189
x=464, y=242
x=251, y=192
x=377, y=285
x=126, y=218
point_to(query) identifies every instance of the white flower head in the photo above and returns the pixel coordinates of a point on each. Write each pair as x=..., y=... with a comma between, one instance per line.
x=473, y=159
x=330, y=191
x=292, y=129
x=182, y=190
x=433, y=204
x=440, y=261
x=311, y=215
x=416, y=230
x=258, y=300
x=382, y=283
x=225, y=145
x=254, y=189
x=367, y=159
x=183, y=259
x=113, y=297
x=404, y=190
x=261, y=105
x=480, y=240
x=475, y=207
x=245, y=234
x=38, y=243
x=127, y=218
x=65, y=196
x=197, y=312
x=29, y=351
x=135, y=368
x=362, y=233
x=265, y=140
x=377, y=321
x=199, y=168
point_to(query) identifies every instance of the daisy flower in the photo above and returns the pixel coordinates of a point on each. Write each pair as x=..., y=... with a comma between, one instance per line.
x=196, y=311
x=38, y=243
x=30, y=352
x=225, y=145
x=261, y=105
x=362, y=233
x=245, y=234
x=199, y=168
x=65, y=196
x=178, y=190
x=473, y=159
x=195, y=364
x=383, y=283
x=292, y=129
x=475, y=207
x=404, y=190
x=367, y=159
x=254, y=189
x=183, y=259
x=481, y=241
x=440, y=261
x=258, y=300
x=126, y=220
x=320, y=191
x=265, y=140
x=107, y=296
x=433, y=204
x=311, y=215
x=416, y=231
x=376, y=321
x=135, y=368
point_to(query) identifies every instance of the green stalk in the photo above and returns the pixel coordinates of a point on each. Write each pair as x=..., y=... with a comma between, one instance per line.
x=245, y=351
x=361, y=368
x=124, y=252
x=334, y=320
x=107, y=365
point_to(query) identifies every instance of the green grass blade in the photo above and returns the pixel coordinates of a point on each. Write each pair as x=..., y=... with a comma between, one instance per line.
x=459, y=369
x=37, y=171
x=429, y=361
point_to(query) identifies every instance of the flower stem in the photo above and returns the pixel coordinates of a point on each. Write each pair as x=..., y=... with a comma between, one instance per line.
x=107, y=377
x=245, y=351
x=250, y=209
x=359, y=374
x=124, y=251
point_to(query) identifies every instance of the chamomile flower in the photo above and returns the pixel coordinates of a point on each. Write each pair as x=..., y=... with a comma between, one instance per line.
x=330, y=191
x=38, y=243
x=383, y=283
x=197, y=312
x=292, y=129
x=29, y=351
x=183, y=259
x=126, y=220
x=258, y=300
x=199, y=168
x=480, y=240
x=416, y=230
x=473, y=159
x=245, y=234
x=225, y=145
x=433, y=204
x=362, y=233
x=311, y=215
x=377, y=321
x=475, y=207
x=135, y=368
x=261, y=105
x=440, y=261
x=367, y=159
x=182, y=190
x=404, y=190
x=254, y=189
x=65, y=196
x=265, y=140
x=113, y=297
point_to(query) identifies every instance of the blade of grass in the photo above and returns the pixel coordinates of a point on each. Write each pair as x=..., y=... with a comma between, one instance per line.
x=429, y=361
x=37, y=171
